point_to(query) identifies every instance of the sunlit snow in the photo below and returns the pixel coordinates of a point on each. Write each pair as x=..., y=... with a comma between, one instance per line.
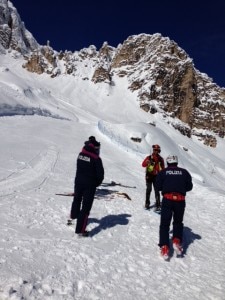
x=44, y=123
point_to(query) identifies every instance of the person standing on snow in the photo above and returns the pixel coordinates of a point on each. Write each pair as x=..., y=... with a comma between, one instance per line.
x=89, y=175
x=153, y=164
x=174, y=182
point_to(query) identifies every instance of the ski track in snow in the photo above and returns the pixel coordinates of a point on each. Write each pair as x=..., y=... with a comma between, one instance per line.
x=32, y=175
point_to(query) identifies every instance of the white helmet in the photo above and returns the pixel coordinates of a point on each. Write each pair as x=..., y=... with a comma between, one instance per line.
x=172, y=159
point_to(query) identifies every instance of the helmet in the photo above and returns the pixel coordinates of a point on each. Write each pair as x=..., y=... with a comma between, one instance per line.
x=172, y=159
x=156, y=147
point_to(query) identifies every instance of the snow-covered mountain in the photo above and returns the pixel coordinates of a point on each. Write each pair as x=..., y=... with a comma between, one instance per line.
x=46, y=116
x=13, y=34
x=160, y=75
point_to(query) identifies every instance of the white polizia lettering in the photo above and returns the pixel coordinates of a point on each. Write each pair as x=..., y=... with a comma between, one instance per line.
x=174, y=172
x=85, y=158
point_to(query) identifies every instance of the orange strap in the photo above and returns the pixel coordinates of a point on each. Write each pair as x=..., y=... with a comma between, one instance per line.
x=174, y=196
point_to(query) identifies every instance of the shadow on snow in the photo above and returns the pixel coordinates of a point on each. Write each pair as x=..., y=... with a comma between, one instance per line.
x=188, y=238
x=104, y=193
x=108, y=222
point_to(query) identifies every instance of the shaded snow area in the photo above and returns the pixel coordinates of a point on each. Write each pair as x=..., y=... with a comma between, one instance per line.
x=40, y=256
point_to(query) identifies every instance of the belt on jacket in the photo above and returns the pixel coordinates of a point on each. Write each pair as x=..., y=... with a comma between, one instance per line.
x=174, y=196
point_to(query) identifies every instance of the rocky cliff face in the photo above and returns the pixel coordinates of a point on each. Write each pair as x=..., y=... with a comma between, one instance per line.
x=165, y=80
x=159, y=72
x=13, y=33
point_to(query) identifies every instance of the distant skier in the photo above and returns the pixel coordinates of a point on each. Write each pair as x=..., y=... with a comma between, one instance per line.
x=153, y=164
x=89, y=175
x=174, y=182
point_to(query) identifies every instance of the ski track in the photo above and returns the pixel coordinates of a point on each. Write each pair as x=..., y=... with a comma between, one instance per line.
x=32, y=175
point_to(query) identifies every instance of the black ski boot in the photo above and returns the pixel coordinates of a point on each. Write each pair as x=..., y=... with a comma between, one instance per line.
x=157, y=204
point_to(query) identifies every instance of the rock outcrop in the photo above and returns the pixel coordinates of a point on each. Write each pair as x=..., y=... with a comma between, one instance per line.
x=158, y=72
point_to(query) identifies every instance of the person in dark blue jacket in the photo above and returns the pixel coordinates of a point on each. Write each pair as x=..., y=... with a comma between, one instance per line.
x=89, y=175
x=173, y=182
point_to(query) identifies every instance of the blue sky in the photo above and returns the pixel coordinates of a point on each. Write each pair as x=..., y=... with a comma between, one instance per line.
x=198, y=28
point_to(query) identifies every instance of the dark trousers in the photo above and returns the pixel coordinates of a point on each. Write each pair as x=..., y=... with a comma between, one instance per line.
x=81, y=206
x=171, y=209
x=149, y=185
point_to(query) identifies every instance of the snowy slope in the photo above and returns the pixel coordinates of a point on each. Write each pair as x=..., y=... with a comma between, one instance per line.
x=40, y=257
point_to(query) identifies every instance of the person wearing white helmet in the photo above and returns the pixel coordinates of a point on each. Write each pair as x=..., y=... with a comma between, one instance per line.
x=153, y=164
x=173, y=182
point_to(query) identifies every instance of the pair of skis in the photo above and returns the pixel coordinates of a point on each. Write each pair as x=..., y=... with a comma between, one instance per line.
x=121, y=194
x=105, y=191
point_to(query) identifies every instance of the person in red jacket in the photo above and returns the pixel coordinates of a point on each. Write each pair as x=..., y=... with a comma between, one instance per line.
x=153, y=163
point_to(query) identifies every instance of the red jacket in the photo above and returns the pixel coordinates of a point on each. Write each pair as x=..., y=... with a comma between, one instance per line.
x=153, y=163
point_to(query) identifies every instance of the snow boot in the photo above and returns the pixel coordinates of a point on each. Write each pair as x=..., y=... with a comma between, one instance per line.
x=165, y=252
x=70, y=222
x=177, y=246
x=83, y=234
x=157, y=209
x=147, y=204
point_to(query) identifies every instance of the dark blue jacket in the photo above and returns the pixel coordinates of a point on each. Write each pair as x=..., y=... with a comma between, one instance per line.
x=174, y=179
x=90, y=171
